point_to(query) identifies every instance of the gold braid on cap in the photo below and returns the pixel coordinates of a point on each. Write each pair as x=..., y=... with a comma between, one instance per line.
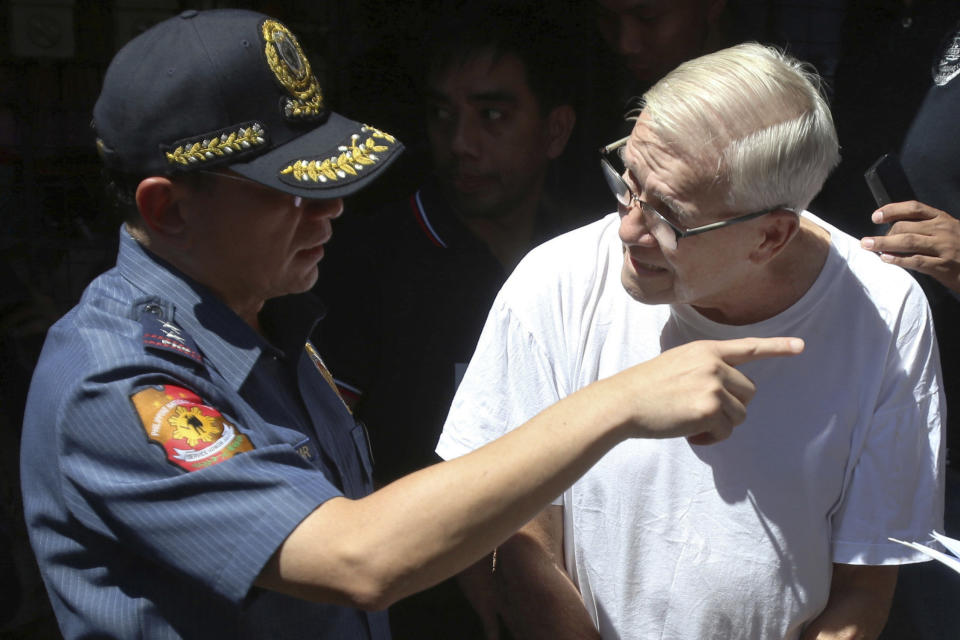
x=292, y=70
x=354, y=157
x=218, y=144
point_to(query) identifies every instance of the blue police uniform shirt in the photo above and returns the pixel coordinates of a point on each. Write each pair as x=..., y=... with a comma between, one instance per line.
x=168, y=450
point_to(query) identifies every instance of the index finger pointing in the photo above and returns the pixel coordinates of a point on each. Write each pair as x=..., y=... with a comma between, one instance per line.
x=735, y=352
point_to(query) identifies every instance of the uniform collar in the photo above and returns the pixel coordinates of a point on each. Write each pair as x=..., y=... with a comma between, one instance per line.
x=442, y=227
x=288, y=321
x=437, y=219
x=227, y=343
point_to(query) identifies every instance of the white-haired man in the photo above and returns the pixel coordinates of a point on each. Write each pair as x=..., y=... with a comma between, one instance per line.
x=781, y=531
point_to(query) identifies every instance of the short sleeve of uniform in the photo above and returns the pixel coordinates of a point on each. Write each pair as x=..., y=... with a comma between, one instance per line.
x=896, y=486
x=218, y=524
x=509, y=380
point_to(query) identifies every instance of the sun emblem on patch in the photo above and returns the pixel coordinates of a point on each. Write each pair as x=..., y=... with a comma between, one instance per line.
x=193, y=426
x=193, y=435
x=292, y=70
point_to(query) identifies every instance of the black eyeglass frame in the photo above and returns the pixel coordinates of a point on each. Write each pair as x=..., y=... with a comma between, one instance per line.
x=615, y=180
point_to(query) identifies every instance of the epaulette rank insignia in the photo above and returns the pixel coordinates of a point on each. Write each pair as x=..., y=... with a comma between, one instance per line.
x=193, y=435
x=352, y=158
x=165, y=335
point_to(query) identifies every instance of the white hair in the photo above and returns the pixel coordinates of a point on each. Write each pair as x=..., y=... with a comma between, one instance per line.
x=753, y=119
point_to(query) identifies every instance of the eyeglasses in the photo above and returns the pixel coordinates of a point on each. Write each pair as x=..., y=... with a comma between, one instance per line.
x=297, y=200
x=667, y=233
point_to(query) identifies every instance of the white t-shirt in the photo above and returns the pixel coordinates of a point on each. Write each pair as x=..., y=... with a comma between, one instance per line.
x=841, y=447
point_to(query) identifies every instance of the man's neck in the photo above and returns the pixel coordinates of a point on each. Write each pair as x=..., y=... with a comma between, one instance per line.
x=239, y=300
x=779, y=286
x=509, y=235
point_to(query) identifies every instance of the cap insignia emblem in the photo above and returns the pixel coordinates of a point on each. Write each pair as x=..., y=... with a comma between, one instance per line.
x=353, y=158
x=216, y=145
x=292, y=70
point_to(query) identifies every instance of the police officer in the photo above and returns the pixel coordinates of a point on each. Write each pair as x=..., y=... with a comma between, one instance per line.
x=188, y=467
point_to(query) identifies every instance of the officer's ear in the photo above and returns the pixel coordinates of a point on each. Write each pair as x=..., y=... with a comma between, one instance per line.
x=778, y=228
x=159, y=201
x=560, y=123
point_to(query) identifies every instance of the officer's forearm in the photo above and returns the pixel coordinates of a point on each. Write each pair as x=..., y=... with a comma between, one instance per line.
x=434, y=523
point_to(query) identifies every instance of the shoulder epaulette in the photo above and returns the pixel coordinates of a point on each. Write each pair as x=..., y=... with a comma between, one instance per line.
x=161, y=333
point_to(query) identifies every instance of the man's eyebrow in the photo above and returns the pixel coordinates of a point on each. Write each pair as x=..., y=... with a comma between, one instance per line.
x=435, y=96
x=644, y=8
x=675, y=207
x=494, y=96
x=678, y=211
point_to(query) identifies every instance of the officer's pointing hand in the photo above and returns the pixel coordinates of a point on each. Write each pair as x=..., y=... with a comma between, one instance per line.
x=695, y=390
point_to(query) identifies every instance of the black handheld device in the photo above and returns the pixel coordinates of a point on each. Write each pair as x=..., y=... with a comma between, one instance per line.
x=887, y=181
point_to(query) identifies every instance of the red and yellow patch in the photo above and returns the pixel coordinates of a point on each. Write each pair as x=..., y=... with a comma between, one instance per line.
x=194, y=435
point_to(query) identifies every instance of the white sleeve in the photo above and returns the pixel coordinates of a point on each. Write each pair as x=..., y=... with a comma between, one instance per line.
x=897, y=483
x=508, y=381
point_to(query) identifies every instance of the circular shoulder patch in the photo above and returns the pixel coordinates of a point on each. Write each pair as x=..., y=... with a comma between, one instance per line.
x=194, y=435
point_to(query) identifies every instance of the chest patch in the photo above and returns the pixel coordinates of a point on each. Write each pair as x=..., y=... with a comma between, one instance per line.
x=194, y=435
x=325, y=373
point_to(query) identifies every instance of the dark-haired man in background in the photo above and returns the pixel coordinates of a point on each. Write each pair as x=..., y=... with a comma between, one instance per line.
x=407, y=289
x=654, y=36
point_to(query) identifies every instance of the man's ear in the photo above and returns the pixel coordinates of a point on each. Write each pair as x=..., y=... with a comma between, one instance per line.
x=159, y=202
x=560, y=123
x=778, y=229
